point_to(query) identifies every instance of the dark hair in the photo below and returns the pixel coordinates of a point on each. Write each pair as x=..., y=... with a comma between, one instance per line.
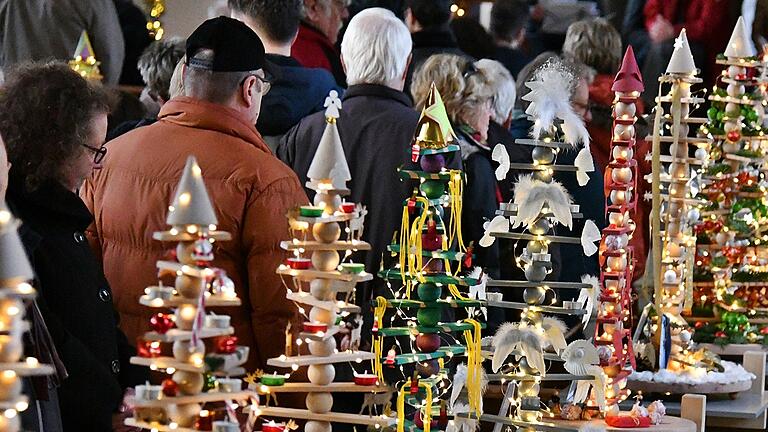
x=507, y=18
x=279, y=19
x=157, y=63
x=431, y=13
x=47, y=109
x=472, y=38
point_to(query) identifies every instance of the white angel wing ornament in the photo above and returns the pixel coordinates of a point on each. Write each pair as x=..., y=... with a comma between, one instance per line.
x=501, y=156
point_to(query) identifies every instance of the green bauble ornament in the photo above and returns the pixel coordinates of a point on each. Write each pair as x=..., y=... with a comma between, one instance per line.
x=428, y=316
x=433, y=189
x=209, y=381
x=429, y=292
x=712, y=113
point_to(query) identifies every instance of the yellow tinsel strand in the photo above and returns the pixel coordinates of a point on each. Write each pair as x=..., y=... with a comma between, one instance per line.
x=474, y=366
x=415, y=257
x=426, y=415
x=378, y=340
x=454, y=290
x=403, y=254
x=455, y=189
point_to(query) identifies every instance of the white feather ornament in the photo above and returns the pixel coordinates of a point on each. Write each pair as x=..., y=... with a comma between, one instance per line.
x=501, y=156
x=461, y=424
x=584, y=164
x=459, y=379
x=477, y=292
x=554, y=330
x=497, y=224
x=588, y=297
x=511, y=337
x=589, y=235
x=532, y=195
x=581, y=358
x=550, y=99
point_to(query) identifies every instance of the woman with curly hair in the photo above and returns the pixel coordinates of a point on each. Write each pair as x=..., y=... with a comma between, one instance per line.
x=54, y=122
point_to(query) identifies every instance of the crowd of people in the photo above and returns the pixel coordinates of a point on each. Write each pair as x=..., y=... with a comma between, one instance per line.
x=244, y=94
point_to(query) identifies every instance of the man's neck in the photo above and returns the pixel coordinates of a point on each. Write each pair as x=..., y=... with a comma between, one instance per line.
x=270, y=47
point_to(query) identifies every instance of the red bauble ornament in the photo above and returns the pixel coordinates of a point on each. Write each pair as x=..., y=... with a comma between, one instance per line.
x=161, y=323
x=764, y=330
x=733, y=136
x=170, y=387
x=148, y=349
x=720, y=334
x=226, y=344
x=431, y=240
x=699, y=324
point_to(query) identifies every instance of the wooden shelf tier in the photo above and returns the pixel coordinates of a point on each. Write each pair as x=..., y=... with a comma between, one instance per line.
x=418, y=304
x=415, y=330
x=314, y=245
x=438, y=254
x=336, y=217
x=542, y=143
x=670, y=159
x=532, y=167
x=444, y=351
x=523, y=236
x=416, y=175
x=178, y=236
x=678, y=388
x=689, y=201
x=438, y=278
x=732, y=349
x=20, y=403
x=667, y=119
x=311, y=274
x=307, y=299
x=739, y=62
x=334, y=387
x=742, y=159
x=175, y=301
x=307, y=360
x=187, y=269
x=154, y=426
x=27, y=368
x=548, y=377
x=685, y=100
x=537, y=308
x=176, y=334
x=731, y=99
x=164, y=362
x=199, y=398
x=668, y=424
x=320, y=336
x=545, y=284
x=513, y=213
x=303, y=414
x=23, y=292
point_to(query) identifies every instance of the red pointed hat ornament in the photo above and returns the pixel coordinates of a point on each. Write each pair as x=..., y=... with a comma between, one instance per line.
x=628, y=79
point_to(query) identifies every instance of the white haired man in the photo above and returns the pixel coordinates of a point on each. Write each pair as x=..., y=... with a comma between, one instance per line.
x=315, y=45
x=376, y=126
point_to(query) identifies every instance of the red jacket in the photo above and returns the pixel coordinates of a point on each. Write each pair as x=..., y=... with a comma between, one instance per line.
x=251, y=193
x=314, y=50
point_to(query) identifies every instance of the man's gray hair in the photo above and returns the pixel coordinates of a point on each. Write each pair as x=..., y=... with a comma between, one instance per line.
x=375, y=48
x=503, y=88
x=157, y=63
x=215, y=87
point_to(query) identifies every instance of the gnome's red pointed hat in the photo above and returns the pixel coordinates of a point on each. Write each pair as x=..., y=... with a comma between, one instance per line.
x=628, y=79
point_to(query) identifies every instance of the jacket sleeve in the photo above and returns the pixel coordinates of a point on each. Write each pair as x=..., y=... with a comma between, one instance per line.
x=87, y=194
x=286, y=149
x=107, y=39
x=265, y=226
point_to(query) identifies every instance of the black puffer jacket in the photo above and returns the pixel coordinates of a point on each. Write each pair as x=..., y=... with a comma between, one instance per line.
x=76, y=304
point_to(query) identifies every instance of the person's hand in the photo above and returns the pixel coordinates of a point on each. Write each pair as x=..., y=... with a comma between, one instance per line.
x=125, y=411
x=661, y=30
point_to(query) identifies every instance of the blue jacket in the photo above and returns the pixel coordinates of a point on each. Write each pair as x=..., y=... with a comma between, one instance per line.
x=296, y=93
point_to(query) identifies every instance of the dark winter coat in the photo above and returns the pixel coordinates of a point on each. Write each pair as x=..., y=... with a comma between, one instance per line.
x=427, y=43
x=297, y=92
x=76, y=304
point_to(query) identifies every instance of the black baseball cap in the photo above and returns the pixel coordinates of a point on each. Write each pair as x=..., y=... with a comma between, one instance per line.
x=236, y=47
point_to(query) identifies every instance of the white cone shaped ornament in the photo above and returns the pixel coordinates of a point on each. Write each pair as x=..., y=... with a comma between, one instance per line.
x=191, y=204
x=682, y=59
x=14, y=265
x=740, y=44
x=330, y=163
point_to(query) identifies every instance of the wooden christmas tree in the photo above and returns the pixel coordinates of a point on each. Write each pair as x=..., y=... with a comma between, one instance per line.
x=331, y=280
x=15, y=291
x=84, y=60
x=199, y=393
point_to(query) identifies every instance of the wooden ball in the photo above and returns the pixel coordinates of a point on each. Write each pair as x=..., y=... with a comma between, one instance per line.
x=428, y=342
x=624, y=132
x=623, y=109
x=189, y=383
x=322, y=315
x=189, y=287
x=321, y=374
x=670, y=277
x=429, y=316
x=734, y=90
x=540, y=227
x=536, y=246
x=617, y=264
x=621, y=153
x=616, y=219
x=325, y=260
x=534, y=295
x=620, y=196
x=185, y=316
x=183, y=415
x=184, y=351
x=433, y=189
x=317, y=426
x=11, y=348
x=543, y=155
x=185, y=252
x=331, y=202
x=10, y=424
x=326, y=232
x=734, y=71
x=10, y=386
x=428, y=368
x=528, y=388
x=322, y=348
x=535, y=272
x=320, y=288
x=542, y=175
x=319, y=403
x=621, y=175
x=433, y=163
x=429, y=291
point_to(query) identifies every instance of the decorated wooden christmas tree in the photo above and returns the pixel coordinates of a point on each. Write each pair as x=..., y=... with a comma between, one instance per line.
x=198, y=393
x=428, y=281
x=84, y=60
x=732, y=237
x=15, y=272
x=331, y=280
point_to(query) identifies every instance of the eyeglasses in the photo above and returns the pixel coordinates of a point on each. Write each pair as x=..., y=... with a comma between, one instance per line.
x=98, y=153
x=469, y=70
x=266, y=82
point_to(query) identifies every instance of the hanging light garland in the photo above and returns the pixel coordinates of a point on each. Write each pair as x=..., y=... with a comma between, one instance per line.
x=156, y=10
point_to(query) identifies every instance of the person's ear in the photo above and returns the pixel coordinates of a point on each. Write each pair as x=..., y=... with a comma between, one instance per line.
x=249, y=90
x=310, y=8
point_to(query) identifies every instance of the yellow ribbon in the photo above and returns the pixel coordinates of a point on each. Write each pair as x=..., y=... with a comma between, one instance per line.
x=455, y=190
x=426, y=414
x=474, y=366
x=378, y=339
x=454, y=290
x=415, y=257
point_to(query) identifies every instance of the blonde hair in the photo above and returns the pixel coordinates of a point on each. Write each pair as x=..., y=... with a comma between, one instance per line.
x=462, y=86
x=595, y=43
